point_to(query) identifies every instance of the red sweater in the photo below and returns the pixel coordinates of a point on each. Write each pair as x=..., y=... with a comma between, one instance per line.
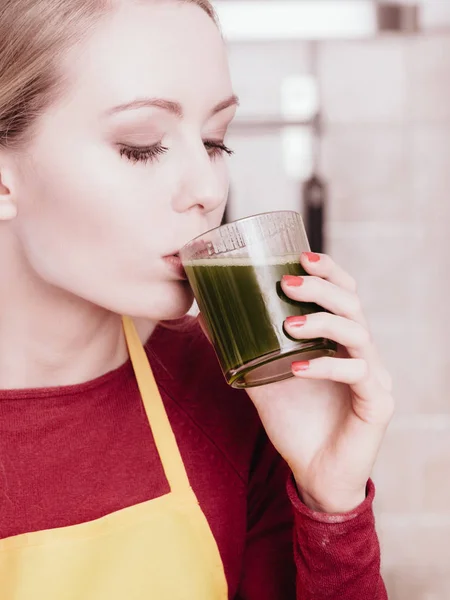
x=73, y=454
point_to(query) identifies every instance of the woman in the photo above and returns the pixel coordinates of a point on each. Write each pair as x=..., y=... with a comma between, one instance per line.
x=113, y=117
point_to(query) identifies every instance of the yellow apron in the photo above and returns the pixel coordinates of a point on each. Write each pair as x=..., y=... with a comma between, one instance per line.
x=160, y=549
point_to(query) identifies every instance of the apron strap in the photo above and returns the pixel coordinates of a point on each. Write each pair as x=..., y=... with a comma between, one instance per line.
x=164, y=437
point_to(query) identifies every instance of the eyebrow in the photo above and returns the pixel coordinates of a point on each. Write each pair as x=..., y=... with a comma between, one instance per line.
x=173, y=107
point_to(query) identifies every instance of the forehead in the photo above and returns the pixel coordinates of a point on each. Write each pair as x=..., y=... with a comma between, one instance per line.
x=170, y=49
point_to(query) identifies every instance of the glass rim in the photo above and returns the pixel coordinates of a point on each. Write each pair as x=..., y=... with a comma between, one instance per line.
x=241, y=220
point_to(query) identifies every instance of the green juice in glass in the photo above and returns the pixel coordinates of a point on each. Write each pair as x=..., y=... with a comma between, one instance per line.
x=244, y=308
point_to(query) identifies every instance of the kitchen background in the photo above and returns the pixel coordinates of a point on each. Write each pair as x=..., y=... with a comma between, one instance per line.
x=361, y=100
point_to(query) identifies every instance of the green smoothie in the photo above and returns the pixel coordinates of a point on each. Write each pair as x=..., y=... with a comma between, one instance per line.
x=245, y=308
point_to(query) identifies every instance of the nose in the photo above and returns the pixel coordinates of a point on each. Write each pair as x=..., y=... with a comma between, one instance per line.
x=203, y=184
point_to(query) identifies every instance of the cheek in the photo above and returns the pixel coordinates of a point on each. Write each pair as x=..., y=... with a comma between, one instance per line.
x=214, y=218
x=97, y=199
x=91, y=218
x=95, y=225
x=223, y=174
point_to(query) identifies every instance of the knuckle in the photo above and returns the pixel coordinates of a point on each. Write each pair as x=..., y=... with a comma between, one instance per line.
x=315, y=280
x=327, y=262
x=363, y=369
x=387, y=381
x=362, y=336
x=326, y=323
x=312, y=287
x=355, y=304
x=335, y=368
x=332, y=368
x=388, y=408
x=352, y=284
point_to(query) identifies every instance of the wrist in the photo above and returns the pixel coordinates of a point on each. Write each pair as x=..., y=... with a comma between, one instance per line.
x=334, y=502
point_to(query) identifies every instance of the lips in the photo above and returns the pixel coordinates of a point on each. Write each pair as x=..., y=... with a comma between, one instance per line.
x=174, y=263
x=197, y=248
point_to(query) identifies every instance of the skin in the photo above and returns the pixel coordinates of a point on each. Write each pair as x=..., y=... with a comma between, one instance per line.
x=92, y=226
x=83, y=233
x=329, y=421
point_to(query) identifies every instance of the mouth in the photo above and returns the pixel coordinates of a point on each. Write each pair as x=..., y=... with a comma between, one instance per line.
x=173, y=261
x=175, y=253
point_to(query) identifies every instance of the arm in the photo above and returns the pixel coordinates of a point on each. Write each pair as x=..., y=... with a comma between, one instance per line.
x=328, y=422
x=337, y=556
x=293, y=552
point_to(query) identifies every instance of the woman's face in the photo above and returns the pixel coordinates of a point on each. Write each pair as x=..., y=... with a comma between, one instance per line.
x=116, y=177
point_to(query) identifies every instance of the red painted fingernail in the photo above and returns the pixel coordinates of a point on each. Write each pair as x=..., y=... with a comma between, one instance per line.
x=312, y=256
x=300, y=367
x=293, y=281
x=297, y=321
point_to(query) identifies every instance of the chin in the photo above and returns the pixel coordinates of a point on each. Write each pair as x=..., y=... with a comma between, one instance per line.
x=173, y=302
x=178, y=311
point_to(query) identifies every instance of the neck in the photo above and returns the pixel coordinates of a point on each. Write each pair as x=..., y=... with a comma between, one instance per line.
x=49, y=338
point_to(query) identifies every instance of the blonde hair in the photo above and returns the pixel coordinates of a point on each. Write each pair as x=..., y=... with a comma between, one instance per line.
x=33, y=36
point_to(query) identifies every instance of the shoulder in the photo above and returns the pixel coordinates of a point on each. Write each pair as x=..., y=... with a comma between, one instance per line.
x=186, y=366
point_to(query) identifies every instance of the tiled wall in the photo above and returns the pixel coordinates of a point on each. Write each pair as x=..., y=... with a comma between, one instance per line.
x=386, y=155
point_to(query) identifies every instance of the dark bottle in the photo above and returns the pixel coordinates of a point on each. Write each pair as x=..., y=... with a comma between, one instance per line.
x=314, y=203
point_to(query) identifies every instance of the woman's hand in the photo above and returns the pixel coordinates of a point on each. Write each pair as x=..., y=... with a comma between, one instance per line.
x=328, y=422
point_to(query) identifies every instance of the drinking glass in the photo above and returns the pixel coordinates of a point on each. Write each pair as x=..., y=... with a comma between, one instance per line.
x=235, y=273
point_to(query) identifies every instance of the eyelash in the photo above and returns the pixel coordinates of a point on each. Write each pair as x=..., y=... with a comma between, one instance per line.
x=151, y=153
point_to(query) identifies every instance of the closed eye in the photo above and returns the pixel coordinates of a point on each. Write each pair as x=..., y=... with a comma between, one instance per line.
x=143, y=153
x=216, y=149
x=150, y=154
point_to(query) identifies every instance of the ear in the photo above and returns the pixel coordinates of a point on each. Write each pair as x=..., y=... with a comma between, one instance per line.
x=8, y=207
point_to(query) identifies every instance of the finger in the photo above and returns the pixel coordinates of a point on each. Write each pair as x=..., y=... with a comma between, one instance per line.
x=374, y=407
x=331, y=297
x=386, y=379
x=324, y=266
x=371, y=402
x=341, y=370
x=350, y=334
